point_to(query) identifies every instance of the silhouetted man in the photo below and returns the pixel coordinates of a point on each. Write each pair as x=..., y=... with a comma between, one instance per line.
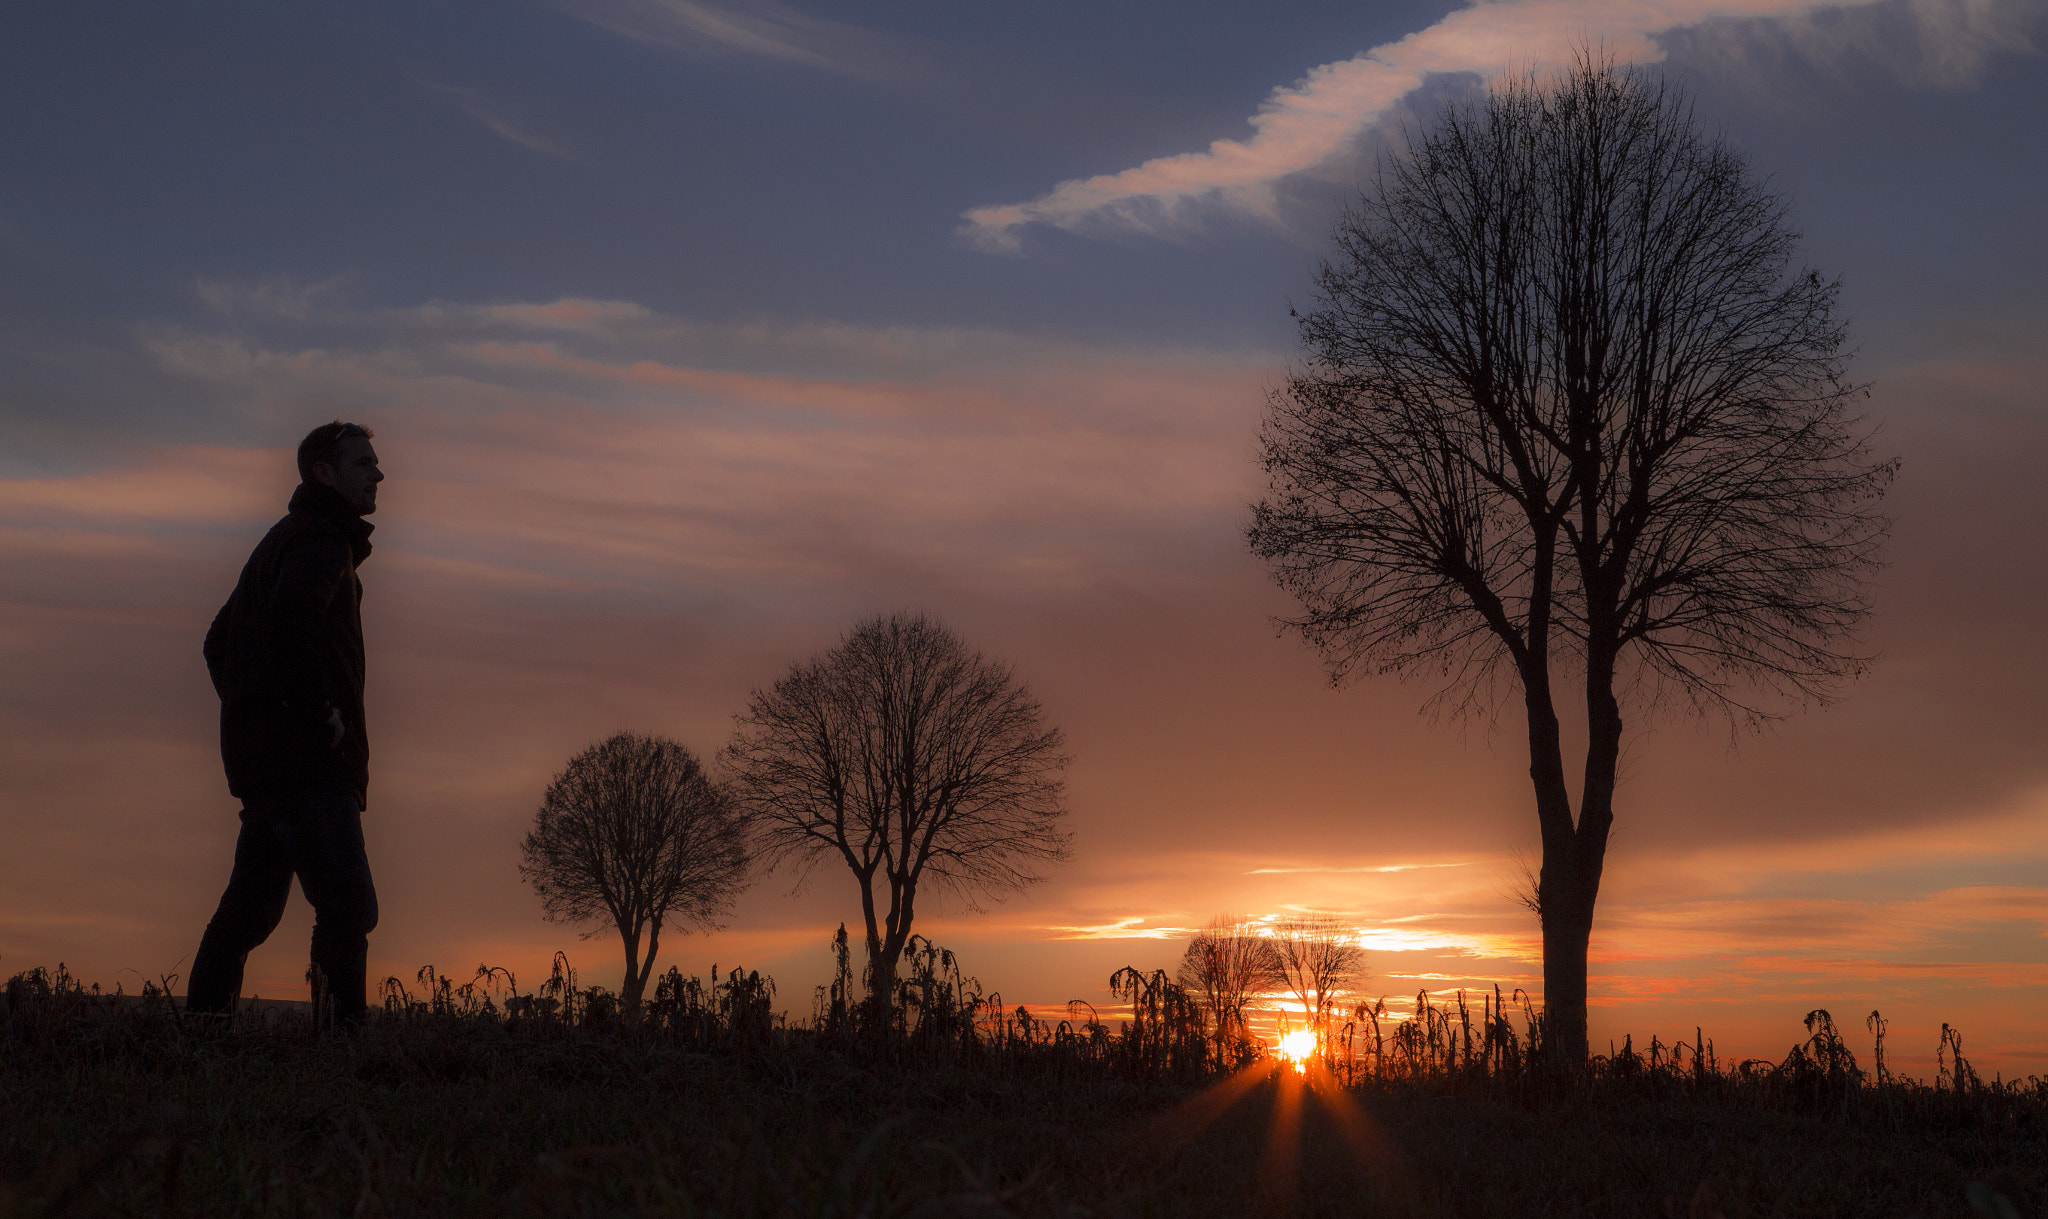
x=286, y=656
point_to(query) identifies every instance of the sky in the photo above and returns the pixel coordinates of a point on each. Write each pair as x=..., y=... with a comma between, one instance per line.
x=692, y=332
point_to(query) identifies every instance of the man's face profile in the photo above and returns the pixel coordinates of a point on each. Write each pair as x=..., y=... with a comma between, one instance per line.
x=353, y=474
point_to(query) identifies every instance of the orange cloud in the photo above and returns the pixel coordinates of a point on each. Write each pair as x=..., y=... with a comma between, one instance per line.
x=616, y=529
x=184, y=484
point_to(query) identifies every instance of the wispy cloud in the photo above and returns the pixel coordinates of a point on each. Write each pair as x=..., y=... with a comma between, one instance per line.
x=1421, y=933
x=491, y=115
x=1391, y=867
x=1303, y=125
x=638, y=455
x=1132, y=928
x=273, y=297
x=187, y=484
x=1939, y=44
x=751, y=27
x=317, y=313
x=568, y=313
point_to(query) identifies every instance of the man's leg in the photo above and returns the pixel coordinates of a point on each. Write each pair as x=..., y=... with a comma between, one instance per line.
x=249, y=911
x=334, y=874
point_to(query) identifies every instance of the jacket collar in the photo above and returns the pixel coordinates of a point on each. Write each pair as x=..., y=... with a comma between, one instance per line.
x=321, y=500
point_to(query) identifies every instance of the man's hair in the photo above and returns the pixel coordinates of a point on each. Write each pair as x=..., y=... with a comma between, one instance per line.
x=323, y=443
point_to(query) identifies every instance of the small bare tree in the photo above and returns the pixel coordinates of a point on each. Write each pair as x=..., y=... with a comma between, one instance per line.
x=1228, y=964
x=913, y=760
x=634, y=832
x=1318, y=959
x=1569, y=415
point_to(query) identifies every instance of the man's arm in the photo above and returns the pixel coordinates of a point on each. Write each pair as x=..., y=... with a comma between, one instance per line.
x=311, y=573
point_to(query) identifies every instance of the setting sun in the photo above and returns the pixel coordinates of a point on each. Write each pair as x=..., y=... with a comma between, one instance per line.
x=1298, y=1046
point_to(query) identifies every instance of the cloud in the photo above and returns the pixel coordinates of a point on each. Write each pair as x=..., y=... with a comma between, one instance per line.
x=1392, y=867
x=568, y=313
x=605, y=516
x=599, y=439
x=473, y=103
x=1303, y=125
x=752, y=27
x=1825, y=55
x=1129, y=928
x=185, y=484
x=275, y=297
x=1743, y=939
x=284, y=312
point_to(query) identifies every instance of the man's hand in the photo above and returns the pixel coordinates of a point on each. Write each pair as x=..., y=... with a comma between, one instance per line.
x=335, y=722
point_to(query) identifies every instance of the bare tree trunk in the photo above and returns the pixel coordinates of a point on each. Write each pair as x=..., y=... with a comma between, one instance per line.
x=1565, y=912
x=884, y=956
x=1567, y=929
x=629, y=988
x=1574, y=857
x=637, y=969
x=1588, y=845
x=880, y=976
x=886, y=942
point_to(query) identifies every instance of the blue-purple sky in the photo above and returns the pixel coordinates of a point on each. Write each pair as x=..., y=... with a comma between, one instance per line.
x=692, y=332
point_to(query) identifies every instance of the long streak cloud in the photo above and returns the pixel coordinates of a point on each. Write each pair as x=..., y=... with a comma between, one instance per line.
x=1303, y=125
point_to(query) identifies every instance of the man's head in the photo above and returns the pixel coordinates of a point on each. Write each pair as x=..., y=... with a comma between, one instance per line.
x=338, y=455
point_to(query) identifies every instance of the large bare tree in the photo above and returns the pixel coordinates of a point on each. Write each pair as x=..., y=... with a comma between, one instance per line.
x=1227, y=965
x=633, y=832
x=1318, y=958
x=914, y=760
x=1568, y=411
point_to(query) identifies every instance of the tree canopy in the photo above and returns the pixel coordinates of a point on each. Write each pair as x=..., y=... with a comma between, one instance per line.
x=1569, y=410
x=633, y=833
x=912, y=759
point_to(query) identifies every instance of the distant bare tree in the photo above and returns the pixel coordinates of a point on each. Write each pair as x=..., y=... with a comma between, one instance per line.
x=1567, y=408
x=913, y=760
x=632, y=831
x=1227, y=964
x=1318, y=959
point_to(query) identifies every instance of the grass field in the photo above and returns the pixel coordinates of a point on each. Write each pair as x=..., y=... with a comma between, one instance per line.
x=708, y=1105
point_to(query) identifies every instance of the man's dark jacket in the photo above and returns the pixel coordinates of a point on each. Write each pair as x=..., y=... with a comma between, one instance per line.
x=287, y=650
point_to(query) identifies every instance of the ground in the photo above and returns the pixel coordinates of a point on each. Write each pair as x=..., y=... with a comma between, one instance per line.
x=708, y=1105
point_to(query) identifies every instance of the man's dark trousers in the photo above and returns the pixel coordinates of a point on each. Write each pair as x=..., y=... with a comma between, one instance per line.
x=316, y=835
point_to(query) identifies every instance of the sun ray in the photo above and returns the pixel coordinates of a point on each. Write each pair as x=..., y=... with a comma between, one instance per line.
x=1180, y=1125
x=1280, y=1163
x=1359, y=1129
